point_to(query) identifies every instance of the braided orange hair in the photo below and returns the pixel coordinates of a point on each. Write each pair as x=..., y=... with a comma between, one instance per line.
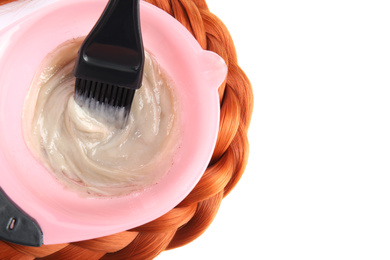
x=194, y=214
x=2, y=2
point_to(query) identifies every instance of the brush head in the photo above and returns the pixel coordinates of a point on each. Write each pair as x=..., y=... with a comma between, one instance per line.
x=96, y=95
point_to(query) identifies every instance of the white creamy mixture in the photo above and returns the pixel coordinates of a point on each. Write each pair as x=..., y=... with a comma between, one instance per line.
x=83, y=150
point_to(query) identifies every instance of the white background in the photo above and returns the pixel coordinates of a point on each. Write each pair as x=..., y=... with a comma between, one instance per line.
x=317, y=185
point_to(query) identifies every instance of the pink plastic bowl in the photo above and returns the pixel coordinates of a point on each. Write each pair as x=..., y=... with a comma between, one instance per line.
x=63, y=215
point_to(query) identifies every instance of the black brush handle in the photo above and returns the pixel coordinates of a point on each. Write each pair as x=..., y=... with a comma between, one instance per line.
x=113, y=51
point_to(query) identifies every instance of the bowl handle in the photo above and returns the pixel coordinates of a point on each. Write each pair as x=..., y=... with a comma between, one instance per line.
x=16, y=226
x=214, y=69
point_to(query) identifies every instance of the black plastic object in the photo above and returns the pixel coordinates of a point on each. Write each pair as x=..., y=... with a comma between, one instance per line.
x=110, y=63
x=16, y=226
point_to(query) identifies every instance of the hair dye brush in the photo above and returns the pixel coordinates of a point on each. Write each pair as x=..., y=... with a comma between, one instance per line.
x=110, y=62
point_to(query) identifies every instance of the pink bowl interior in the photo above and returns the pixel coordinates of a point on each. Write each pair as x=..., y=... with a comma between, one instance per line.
x=63, y=215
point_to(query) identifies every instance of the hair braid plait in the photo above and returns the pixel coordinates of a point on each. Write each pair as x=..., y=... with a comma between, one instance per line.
x=194, y=214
